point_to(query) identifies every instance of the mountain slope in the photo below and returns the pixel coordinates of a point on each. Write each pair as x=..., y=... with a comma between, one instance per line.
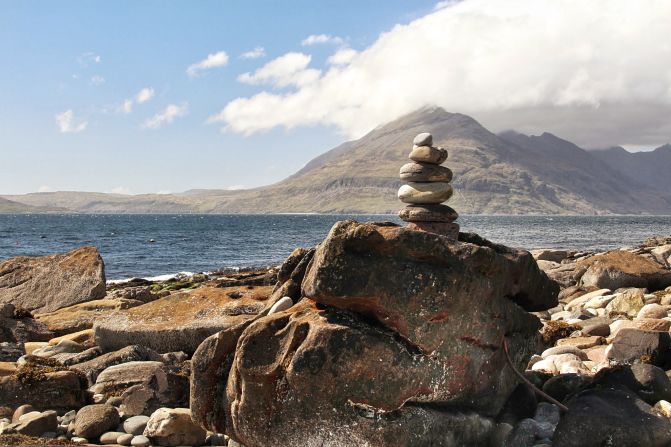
x=494, y=174
x=11, y=207
x=651, y=168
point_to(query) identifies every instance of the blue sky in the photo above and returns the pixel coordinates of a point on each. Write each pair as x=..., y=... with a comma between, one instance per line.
x=98, y=95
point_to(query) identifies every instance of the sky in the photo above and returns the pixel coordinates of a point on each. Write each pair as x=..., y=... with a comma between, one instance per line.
x=151, y=96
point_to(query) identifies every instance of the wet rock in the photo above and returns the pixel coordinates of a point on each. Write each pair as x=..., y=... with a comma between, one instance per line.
x=564, y=385
x=181, y=321
x=47, y=283
x=523, y=435
x=94, y=420
x=649, y=382
x=610, y=417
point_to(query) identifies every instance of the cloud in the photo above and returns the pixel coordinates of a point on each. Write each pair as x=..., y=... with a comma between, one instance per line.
x=342, y=57
x=167, y=116
x=286, y=70
x=88, y=58
x=45, y=188
x=254, y=54
x=314, y=39
x=211, y=61
x=144, y=95
x=68, y=124
x=575, y=68
x=141, y=97
x=97, y=80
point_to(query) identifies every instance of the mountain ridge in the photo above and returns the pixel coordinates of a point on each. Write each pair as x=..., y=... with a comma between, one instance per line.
x=508, y=173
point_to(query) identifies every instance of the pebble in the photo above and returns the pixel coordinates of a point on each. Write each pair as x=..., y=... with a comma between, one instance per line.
x=663, y=407
x=68, y=417
x=425, y=193
x=135, y=425
x=110, y=437
x=423, y=139
x=78, y=440
x=282, y=304
x=545, y=365
x=566, y=349
x=140, y=441
x=124, y=439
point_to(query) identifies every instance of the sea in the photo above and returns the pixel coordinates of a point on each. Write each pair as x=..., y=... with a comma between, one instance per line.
x=157, y=246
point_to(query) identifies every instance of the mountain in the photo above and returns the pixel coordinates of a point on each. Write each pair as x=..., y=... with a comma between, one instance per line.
x=510, y=173
x=650, y=168
x=11, y=207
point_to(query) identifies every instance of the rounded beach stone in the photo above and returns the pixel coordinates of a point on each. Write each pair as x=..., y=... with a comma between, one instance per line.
x=428, y=154
x=110, y=437
x=428, y=213
x=425, y=193
x=124, y=439
x=284, y=303
x=140, y=441
x=425, y=172
x=423, y=139
x=135, y=425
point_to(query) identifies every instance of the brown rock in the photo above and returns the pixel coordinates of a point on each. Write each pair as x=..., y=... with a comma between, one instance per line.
x=447, y=229
x=94, y=420
x=44, y=390
x=7, y=368
x=332, y=367
x=91, y=368
x=619, y=268
x=582, y=342
x=21, y=330
x=428, y=213
x=20, y=411
x=34, y=423
x=181, y=321
x=47, y=283
x=428, y=154
x=635, y=345
x=82, y=316
x=425, y=172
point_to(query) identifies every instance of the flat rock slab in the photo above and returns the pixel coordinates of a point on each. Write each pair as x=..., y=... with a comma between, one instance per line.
x=181, y=321
x=617, y=269
x=83, y=315
x=47, y=283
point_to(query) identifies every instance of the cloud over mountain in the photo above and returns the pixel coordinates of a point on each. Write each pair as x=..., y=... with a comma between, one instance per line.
x=600, y=71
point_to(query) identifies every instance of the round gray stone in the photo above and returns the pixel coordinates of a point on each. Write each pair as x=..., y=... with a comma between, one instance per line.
x=140, y=441
x=124, y=439
x=425, y=193
x=135, y=425
x=423, y=139
x=428, y=154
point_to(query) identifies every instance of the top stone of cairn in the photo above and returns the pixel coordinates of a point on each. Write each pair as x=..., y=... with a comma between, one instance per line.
x=423, y=139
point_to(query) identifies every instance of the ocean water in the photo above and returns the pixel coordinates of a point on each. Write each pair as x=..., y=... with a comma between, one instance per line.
x=201, y=243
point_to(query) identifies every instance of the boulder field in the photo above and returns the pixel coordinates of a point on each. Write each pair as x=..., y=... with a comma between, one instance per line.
x=379, y=336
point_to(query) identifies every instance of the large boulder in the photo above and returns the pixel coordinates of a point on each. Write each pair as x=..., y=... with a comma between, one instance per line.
x=396, y=341
x=617, y=269
x=174, y=427
x=94, y=420
x=20, y=327
x=47, y=283
x=83, y=315
x=611, y=417
x=43, y=389
x=91, y=368
x=181, y=321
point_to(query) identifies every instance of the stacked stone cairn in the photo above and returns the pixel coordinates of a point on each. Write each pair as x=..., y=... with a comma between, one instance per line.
x=427, y=188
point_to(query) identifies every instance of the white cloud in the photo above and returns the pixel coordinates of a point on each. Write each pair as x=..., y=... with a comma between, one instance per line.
x=342, y=57
x=97, y=80
x=68, y=124
x=289, y=69
x=144, y=95
x=141, y=97
x=45, y=188
x=85, y=59
x=314, y=39
x=254, y=54
x=167, y=116
x=234, y=187
x=211, y=61
x=577, y=62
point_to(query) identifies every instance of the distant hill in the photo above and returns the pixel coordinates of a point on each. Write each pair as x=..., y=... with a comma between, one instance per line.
x=11, y=207
x=510, y=173
x=650, y=168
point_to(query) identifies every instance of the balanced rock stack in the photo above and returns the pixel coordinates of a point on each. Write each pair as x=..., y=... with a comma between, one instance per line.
x=428, y=187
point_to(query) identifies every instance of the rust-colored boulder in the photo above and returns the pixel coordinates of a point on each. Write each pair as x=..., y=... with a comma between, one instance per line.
x=47, y=283
x=83, y=315
x=617, y=269
x=181, y=321
x=396, y=341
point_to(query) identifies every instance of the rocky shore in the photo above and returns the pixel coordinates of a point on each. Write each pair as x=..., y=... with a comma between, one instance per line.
x=380, y=335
